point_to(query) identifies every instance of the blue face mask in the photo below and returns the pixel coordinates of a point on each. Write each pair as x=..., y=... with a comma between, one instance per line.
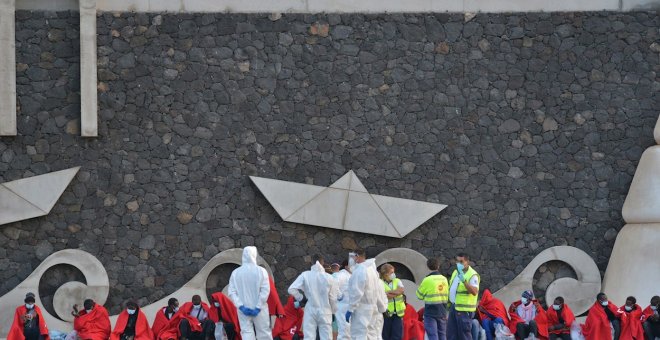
x=604, y=303
x=628, y=308
x=556, y=307
x=130, y=311
x=524, y=301
x=459, y=266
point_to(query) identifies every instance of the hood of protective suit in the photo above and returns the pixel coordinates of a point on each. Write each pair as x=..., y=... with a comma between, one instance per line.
x=370, y=263
x=250, y=255
x=317, y=267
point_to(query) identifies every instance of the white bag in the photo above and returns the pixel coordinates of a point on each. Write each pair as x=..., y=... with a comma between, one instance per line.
x=503, y=333
x=576, y=332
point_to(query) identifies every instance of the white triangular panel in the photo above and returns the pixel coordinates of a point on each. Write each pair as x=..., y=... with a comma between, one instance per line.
x=14, y=208
x=356, y=185
x=407, y=215
x=344, y=182
x=286, y=197
x=44, y=190
x=363, y=215
x=325, y=210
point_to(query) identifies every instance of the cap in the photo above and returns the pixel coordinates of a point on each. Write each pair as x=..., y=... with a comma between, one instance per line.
x=29, y=295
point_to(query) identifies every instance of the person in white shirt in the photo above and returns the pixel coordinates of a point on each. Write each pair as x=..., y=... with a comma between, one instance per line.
x=342, y=277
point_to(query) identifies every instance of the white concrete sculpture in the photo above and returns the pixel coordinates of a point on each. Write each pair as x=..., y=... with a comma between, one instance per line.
x=415, y=262
x=581, y=292
x=7, y=68
x=345, y=205
x=34, y=196
x=88, y=77
x=635, y=259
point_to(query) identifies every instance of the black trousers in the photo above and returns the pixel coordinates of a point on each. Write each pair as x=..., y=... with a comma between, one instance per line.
x=616, y=324
x=563, y=336
x=524, y=330
x=652, y=329
x=208, y=328
x=230, y=330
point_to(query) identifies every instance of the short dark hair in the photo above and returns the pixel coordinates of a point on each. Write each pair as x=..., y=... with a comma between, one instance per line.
x=172, y=301
x=560, y=299
x=655, y=299
x=344, y=263
x=433, y=263
x=131, y=303
x=29, y=299
x=463, y=255
x=360, y=252
x=196, y=297
x=600, y=295
x=631, y=299
x=88, y=304
x=318, y=258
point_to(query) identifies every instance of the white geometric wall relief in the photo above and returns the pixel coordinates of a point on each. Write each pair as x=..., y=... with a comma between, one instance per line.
x=97, y=288
x=33, y=196
x=345, y=205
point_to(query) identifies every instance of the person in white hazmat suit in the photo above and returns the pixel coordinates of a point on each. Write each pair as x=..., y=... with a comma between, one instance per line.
x=248, y=290
x=367, y=300
x=342, y=277
x=321, y=291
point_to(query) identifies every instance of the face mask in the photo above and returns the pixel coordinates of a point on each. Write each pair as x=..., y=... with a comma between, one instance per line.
x=392, y=276
x=654, y=307
x=217, y=304
x=460, y=266
x=604, y=303
x=88, y=310
x=176, y=309
x=556, y=307
x=351, y=260
x=130, y=311
x=29, y=305
x=628, y=308
x=524, y=301
x=196, y=305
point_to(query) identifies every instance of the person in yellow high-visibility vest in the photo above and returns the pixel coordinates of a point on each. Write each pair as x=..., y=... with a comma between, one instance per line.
x=463, y=293
x=434, y=291
x=396, y=306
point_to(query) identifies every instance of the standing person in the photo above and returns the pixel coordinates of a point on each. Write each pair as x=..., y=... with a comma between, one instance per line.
x=601, y=315
x=528, y=317
x=463, y=293
x=491, y=311
x=29, y=323
x=396, y=306
x=161, y=327
x=249, y=288
x=223, y=310
x=366, y=301
x=132, y=324
x=631, y=320
x=93, y=323
x=434, y=291
x=560, y=319
x=321, y=292
x=342, y=277
x=651, y=319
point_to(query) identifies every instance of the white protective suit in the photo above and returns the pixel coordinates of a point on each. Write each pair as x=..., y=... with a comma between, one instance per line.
x=367, y=300
x=249, y=287
x=321, y=291
x=343, y=327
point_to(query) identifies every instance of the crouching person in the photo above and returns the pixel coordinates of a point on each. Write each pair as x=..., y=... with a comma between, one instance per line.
x=132, y=324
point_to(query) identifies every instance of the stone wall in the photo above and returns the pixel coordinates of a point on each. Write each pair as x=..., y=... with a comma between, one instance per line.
x=529, y=126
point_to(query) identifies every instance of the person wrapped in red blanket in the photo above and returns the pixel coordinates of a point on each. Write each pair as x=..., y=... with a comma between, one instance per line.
x=161, y=327
x=289, y=326
x=29, y=323
x=651, y=319
x=631, y=320
x=132, y=324
x=413, y=329
x=274, y=304
x=93, y=323
x=491, y=311
x=195, y=322
x=223, y=310
x=528, y=317
x=600, y=316
x=560, y=319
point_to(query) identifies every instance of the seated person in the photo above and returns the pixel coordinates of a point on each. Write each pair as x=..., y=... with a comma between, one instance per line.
x=289, y=326
x=631, y=323
x=491, y=311
x=132, y=324
x=413, y=329
x=93, y=323
x=651, y=319
x=223, y=310
x=29, y=323
x=195, y=322
x=163, y=317
x=527, y=317
x=560, y=319
x=601, y=315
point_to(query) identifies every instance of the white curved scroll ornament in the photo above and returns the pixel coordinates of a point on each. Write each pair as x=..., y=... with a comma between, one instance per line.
x=67, y=295
x=581, y=292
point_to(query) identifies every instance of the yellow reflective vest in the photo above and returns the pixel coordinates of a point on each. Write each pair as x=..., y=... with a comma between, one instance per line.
x=465, y=302
x=395, y=305
x=434, y=289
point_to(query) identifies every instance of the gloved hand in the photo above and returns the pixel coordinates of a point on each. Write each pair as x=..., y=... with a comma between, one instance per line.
x=461, y=277
x=348, y=316
x=256, y=311
x=340, y=298
x=244, y=310
x=296, y=304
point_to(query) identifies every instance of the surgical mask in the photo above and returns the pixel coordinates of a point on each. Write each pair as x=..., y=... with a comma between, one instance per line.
x=195, y=305
x=217, y=304
x=524, y=301
x=176, y=309
x=604, y=303
x=654, y=307
x=628, y=308
x=556, y=307
x=392, y=276
x=351, y=260
x=29, y=305
x=88, y=310
x=460, y=266
x=130, y=311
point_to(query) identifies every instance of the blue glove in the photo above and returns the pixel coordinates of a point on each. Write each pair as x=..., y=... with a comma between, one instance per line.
x=244, y=310
x=341, y=298
x=348, y=316
x=256, y=311
x=296, y=304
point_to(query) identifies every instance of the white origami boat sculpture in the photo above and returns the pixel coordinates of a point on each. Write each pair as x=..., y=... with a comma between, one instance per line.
x=345, y=205
x=33, y=196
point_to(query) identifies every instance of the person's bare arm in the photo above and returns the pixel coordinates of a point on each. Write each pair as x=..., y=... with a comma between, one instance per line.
x=471, y=289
